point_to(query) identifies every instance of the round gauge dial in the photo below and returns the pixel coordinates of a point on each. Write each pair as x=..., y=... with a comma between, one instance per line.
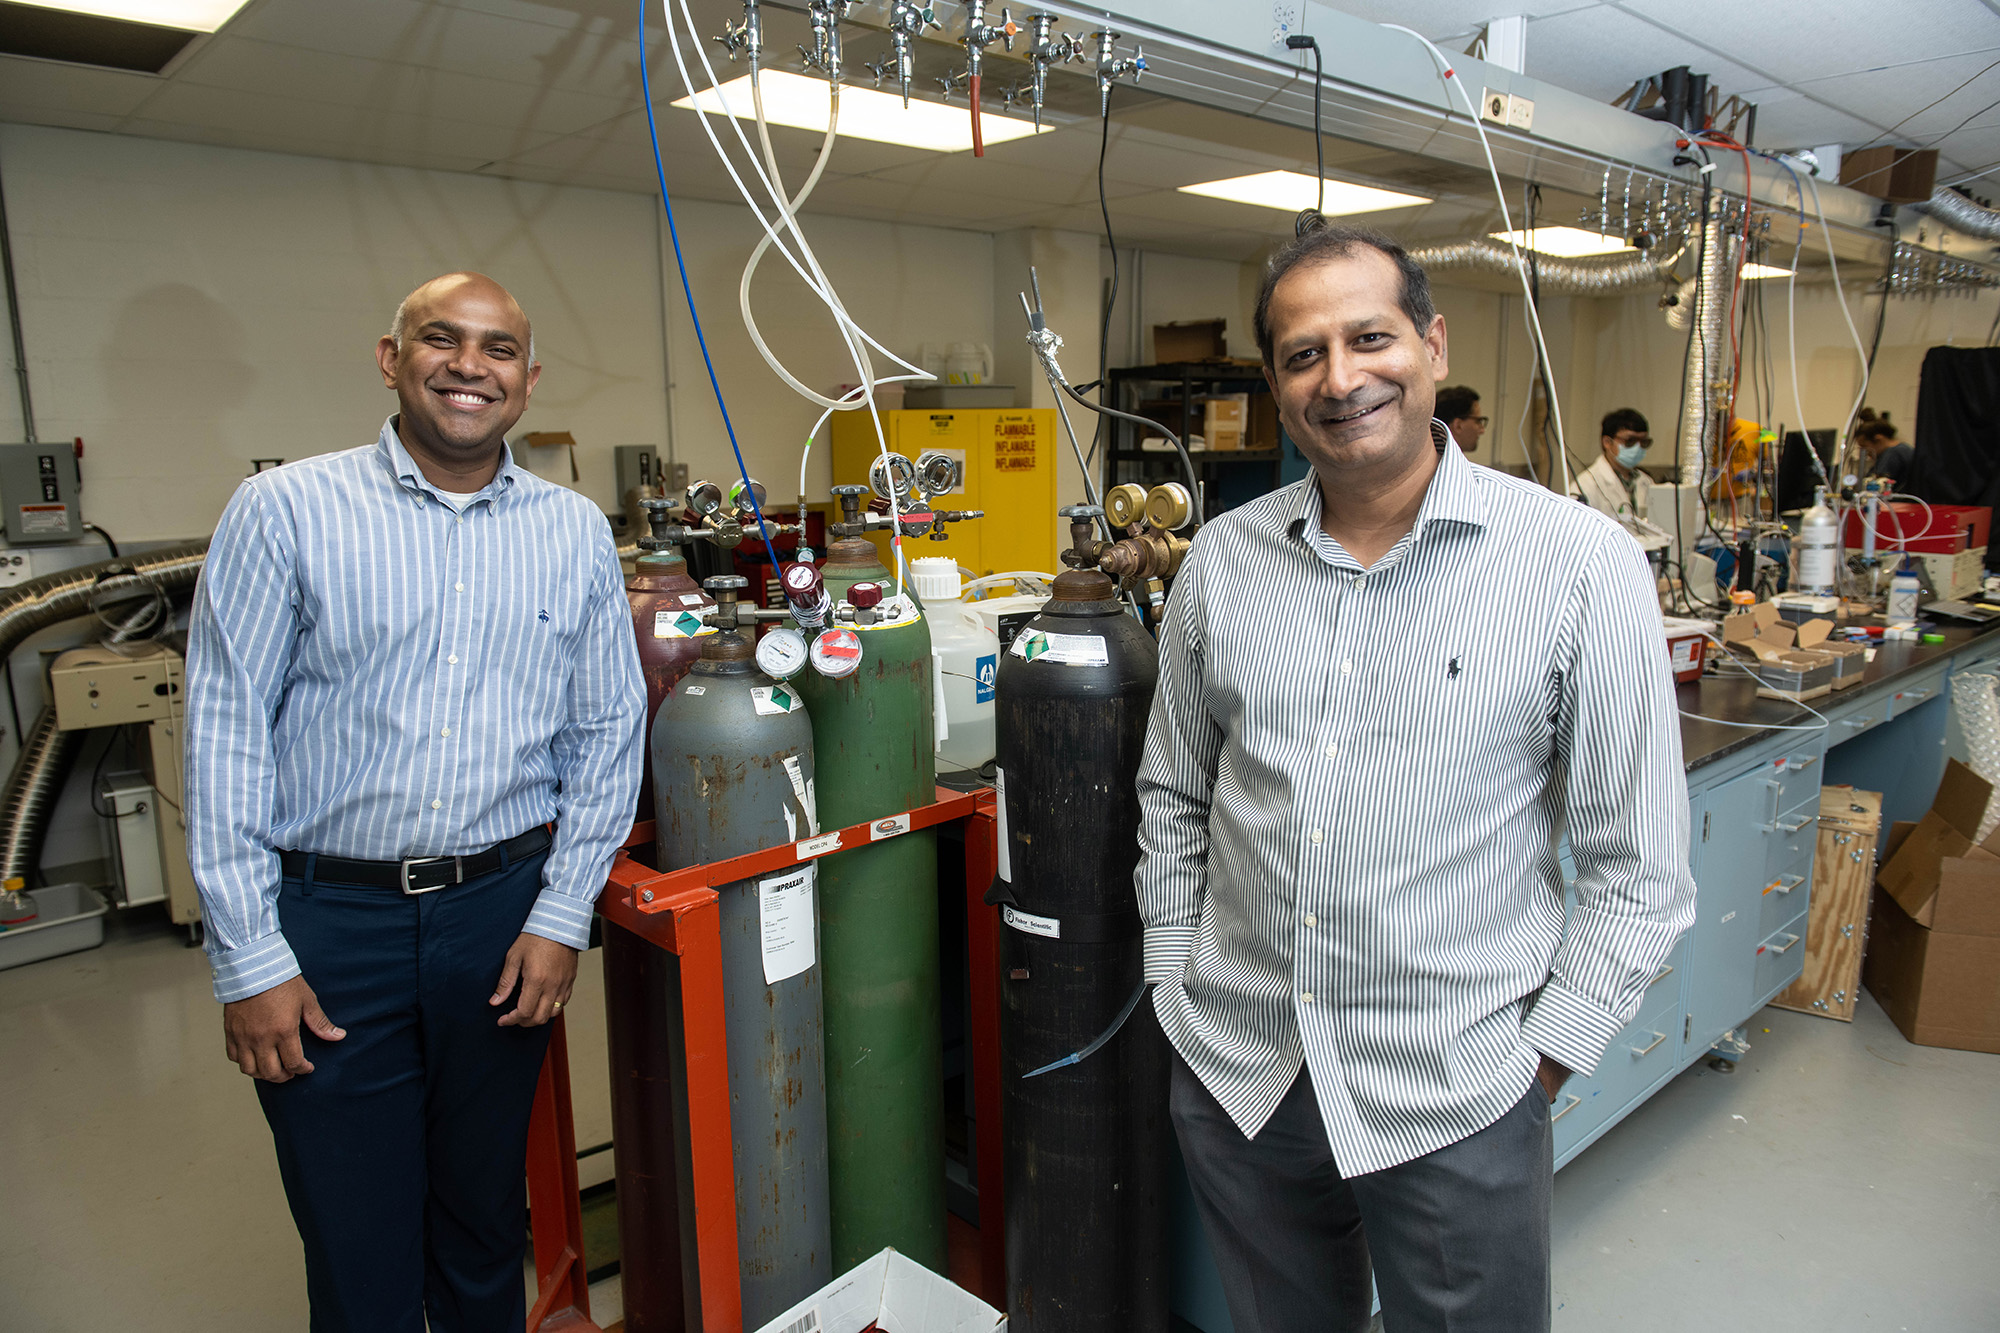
x=781, y=653
x=836, y=653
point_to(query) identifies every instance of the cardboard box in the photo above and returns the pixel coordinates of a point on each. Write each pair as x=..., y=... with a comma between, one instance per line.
x=1194, y=340
x=895, y=1294
x=1264, y=427
x=1934, y=936
x=1225, y=419
x=1790, y=661
x=1900, y=175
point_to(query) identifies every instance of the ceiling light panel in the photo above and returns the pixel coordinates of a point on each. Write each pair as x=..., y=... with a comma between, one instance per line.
x=187, y=15
x=802, y=102
x=1564, y=242
x=1293, y=191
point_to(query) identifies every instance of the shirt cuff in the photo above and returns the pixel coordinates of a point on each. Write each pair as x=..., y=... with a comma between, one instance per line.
x=1569, y=1027
x=253, y=968
x=560, y=917
x=1167, y=949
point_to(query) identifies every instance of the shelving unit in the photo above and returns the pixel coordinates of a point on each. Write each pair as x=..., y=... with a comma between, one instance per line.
x=1228, y=477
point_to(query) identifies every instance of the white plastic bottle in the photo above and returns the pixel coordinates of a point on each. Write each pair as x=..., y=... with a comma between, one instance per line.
x=1819, y=549
x=965, y=657
x=1905, y=592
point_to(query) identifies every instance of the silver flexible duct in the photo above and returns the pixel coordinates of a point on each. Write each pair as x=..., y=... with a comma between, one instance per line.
x=1955, y=210
x=46, y=753
x=31, y=792
x=45, y=601
x=1555, y=276
x=1708, y=354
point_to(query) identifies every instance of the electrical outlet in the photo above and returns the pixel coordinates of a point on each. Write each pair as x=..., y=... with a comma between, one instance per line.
x=1494, y=107
x=1520, y=113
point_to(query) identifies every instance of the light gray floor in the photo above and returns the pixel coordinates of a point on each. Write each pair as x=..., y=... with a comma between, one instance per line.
x=1839, y=1179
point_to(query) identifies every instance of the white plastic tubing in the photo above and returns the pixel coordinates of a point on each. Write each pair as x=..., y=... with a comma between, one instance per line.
x=799, y=252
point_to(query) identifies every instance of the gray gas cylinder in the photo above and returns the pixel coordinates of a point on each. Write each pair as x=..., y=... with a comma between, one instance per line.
x=732, y=774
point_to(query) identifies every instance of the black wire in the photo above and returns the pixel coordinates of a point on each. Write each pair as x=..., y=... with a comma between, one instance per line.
x=92, y=527
x=1194, y=485
x=97, y=779
x=1111, y=300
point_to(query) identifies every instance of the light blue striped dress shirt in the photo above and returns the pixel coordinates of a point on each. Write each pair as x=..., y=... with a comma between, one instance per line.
x=1351, y=794
x=374, y=674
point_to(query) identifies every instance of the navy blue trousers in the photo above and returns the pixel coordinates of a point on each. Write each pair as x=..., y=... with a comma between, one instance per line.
x=402, y=1152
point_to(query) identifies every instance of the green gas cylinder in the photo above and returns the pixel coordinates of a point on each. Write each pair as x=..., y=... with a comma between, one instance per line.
x=872, y=742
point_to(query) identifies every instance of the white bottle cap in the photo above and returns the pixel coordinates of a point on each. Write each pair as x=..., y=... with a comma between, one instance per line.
x=934, y=578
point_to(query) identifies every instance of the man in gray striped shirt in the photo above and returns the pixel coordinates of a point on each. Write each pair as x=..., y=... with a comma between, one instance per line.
x=1385, y=692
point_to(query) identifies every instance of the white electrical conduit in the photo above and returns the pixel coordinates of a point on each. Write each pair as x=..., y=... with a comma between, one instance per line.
x=1520, y=263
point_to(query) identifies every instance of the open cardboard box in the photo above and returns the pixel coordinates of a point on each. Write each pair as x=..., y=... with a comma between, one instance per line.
x=1934, y=938
x=1800, y=656
x=893, y=1293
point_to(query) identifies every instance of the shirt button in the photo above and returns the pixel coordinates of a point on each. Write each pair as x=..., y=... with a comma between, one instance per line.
x=445, y=732
x=1333, y=752
x=1361, y=581
x=458, y=587
x=460, y=519
x=437, y=805
x=1316, y=835
x=1346, y=667
x=1311, y=920
x=453, y=659
x=1306, y=996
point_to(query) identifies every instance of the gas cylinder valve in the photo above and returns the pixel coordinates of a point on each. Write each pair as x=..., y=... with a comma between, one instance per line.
x=717, y=518
x=731, y=612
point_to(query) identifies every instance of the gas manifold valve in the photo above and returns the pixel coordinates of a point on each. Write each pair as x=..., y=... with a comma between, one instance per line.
x=1149, y=552
x=710, y=515
x=912, y=487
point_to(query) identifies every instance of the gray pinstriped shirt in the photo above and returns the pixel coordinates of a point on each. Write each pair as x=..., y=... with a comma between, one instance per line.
x=1352, y=791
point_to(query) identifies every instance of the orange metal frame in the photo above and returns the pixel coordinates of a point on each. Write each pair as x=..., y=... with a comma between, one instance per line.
x=676, y=910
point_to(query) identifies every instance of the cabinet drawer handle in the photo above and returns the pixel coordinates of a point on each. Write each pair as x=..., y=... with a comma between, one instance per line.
x=1665, y=972
x=1779, y=885
x=1790, y=940
x=1858, y=722
x=1638, y=1051
x=1915, y=694
x=1788, y=826
x=1801, y=764
x=1574, y=1101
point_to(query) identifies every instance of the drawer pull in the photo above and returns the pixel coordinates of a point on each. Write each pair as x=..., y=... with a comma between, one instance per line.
x=1638, y=1051
x=1574, y=1102
x=1790, y=940
x=1918, y=695
x=1799, y=764
x=1779, y=885
x=1665, y=972
x=1857, y=723
x=1788, y=826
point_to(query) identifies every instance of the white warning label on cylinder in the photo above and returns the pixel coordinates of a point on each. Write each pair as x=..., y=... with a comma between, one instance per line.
x=1005, y=859
x=1048, y=927
x=693, y=599
x=785, y=916
x=1069, y=649
x=772, y=700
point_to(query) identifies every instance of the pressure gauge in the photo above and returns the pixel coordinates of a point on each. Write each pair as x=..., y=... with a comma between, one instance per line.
x=939, y=473
x=781, y=653
x=1125, y=505
x=836, y=653
x=741, y=496
x=896, y=469
x=705, y=498
x=1168, y=506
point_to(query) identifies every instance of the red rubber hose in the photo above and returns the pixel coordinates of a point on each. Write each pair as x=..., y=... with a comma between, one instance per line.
x=978, y=141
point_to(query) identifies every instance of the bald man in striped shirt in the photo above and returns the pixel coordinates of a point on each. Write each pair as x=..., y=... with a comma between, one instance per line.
x=1385, y=692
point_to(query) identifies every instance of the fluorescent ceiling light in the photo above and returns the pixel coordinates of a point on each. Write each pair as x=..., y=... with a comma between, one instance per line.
x=187, y=15
x=1293, y=191
x=1563, y=242
x=1765, y=271
x=865, y=113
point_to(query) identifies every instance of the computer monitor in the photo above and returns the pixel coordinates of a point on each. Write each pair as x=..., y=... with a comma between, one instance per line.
x=1796, y=475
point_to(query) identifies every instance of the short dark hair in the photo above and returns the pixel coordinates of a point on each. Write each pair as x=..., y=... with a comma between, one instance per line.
x=1455, y=403
x=1327, y=242
x=1625, y=418
x=1877, y=429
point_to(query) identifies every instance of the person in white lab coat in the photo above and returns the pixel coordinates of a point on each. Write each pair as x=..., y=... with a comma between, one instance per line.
x=1614, y=484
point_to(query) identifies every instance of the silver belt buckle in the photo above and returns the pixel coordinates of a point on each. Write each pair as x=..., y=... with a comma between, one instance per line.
x=457, y=873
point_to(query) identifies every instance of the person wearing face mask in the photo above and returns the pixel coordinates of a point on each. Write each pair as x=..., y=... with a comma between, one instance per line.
x=1614, y=484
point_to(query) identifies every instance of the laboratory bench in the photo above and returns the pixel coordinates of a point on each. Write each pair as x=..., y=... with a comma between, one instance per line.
x=1755, y=768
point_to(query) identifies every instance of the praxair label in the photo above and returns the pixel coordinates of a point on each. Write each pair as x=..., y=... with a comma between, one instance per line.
x=671, y=624
x=1034, y=645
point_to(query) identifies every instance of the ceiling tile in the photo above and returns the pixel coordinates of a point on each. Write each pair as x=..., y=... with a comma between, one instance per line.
x=52, y=88
x=1603, y=51
x=1796, y=40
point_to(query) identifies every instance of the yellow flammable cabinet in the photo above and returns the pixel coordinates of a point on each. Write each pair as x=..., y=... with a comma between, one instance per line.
x=1010, y=472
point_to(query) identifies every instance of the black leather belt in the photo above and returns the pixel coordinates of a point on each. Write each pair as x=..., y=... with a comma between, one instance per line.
x=422, y=874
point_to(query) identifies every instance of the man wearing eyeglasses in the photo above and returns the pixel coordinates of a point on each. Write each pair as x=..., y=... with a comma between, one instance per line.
x=1614, y=484
x=1458, y=409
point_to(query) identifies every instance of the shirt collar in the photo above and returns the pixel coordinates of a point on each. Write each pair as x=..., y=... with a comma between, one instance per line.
x=1453, y=495
x=389, y=445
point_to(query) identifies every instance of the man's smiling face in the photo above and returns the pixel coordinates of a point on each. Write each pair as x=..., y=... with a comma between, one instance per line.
x=1355, y=380
x=462, y=374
